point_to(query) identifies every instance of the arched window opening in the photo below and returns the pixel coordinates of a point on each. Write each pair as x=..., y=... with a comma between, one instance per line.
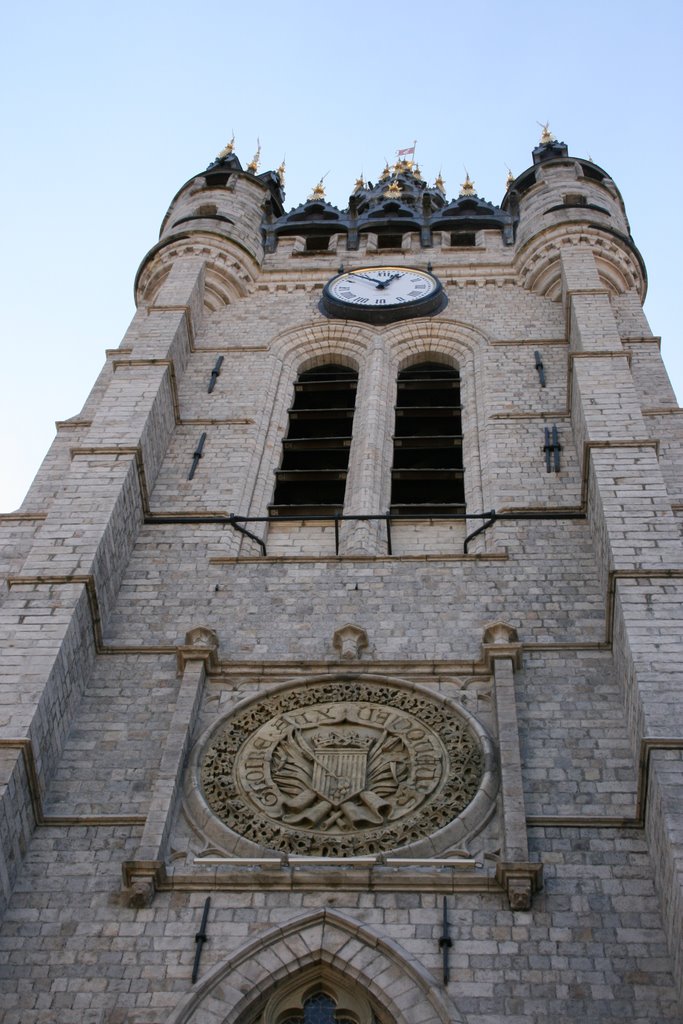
x=427, y=477
x=311, y=479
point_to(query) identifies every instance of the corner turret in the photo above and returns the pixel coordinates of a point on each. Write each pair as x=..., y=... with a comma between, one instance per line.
x=560, y=198
x=223, y=209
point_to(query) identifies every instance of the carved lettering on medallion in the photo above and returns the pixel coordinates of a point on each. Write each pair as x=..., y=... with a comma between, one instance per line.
x=371, y=771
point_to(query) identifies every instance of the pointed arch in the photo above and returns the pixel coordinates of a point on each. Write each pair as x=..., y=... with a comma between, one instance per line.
x=397, y=986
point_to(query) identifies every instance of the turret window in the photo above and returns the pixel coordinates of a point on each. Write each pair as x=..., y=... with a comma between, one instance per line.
x=312, y=475
x=427, y=477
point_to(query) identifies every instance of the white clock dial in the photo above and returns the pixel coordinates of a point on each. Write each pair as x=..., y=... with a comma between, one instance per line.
x=382, y=286
x=383, y=295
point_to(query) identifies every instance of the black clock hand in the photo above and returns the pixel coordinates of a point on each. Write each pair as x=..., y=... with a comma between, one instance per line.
x=366, y=278
x=383, y=284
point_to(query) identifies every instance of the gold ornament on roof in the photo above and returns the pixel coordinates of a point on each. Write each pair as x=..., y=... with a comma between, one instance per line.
x=318, y=192
x=252, y=167
x=281, y=172
x=386, y=173
x=359, y=184
x=227, y=150
x=467, y=187
x=439, y=183
x=393, y=191
x=546, y=135
x=510, y=179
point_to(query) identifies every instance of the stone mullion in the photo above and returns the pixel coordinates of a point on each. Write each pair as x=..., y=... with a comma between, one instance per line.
x=367, y=484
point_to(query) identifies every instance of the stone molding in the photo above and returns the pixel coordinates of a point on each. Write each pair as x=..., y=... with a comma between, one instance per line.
x=350, y=641
x=330, y=941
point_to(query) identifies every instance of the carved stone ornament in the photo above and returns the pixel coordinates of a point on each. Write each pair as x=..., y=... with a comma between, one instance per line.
x=341, y=768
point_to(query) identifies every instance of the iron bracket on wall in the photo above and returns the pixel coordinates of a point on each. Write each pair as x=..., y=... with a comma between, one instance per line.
x=215, y=374
x=539, y=368
x=197, y=455
x=552, y=449
x=445, y=942
x=200, y=938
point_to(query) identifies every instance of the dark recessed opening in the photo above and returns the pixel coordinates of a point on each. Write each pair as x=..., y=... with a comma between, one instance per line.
x=315, y=454
x=463, y=238
x=317, y=243
x=592, y=172
x=219, y=178
x=427, y=477
x=386, y=241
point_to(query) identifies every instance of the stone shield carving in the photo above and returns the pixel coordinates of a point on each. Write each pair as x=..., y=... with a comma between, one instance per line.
x=341, y=768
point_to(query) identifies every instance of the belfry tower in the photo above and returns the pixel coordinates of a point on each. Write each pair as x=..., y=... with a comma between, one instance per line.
x=342, y=629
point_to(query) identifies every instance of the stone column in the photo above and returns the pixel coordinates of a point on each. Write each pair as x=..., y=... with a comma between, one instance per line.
x=142, y=876
x=368, y=482
x=514, y=872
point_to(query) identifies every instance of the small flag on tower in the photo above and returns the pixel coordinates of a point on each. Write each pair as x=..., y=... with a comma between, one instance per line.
x=410, y=151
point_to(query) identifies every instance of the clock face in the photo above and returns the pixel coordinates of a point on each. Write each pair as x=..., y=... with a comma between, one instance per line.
x=382, y=294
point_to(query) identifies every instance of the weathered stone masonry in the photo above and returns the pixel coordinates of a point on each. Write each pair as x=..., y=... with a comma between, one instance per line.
x=534, y=668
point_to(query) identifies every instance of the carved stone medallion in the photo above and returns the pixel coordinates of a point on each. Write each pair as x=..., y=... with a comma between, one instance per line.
x=341, y=768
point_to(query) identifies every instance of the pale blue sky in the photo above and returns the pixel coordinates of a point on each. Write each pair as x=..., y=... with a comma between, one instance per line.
x=109, y=107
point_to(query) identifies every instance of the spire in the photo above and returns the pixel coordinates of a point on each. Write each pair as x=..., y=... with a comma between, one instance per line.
x=360, y=183
x=318, y=191
x=439, y=183
x=227, y=149
x=252, y=167
x=467, y=187
x=546, y=135
x=386, y=173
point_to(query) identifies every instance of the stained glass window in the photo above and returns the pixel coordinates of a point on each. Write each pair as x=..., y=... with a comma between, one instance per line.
x=318, y=1009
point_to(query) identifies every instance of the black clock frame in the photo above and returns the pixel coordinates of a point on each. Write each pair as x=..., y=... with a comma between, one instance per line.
x=336, y=308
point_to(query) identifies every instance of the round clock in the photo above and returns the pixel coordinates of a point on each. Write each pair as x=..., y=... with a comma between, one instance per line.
x=382, y=294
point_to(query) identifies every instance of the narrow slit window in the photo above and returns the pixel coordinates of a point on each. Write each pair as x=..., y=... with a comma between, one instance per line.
x=427, y=477
x=311, y=479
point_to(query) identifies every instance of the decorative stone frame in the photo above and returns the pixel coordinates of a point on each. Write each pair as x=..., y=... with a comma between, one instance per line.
x=452, y=836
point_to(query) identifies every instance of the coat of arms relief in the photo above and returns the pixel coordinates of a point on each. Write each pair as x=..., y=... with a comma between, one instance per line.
x=341, y=768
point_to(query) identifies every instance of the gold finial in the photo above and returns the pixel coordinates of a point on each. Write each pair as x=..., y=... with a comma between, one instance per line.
x=415, y=170
x=467, y=187
x=318, y=192
x=439, y=183
x=359, y=184
x=546, y=135
x=510, y=179
x=227, y=150
x=386, y=173
x=393, y=191
x=252, y=167
x=281, y=173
